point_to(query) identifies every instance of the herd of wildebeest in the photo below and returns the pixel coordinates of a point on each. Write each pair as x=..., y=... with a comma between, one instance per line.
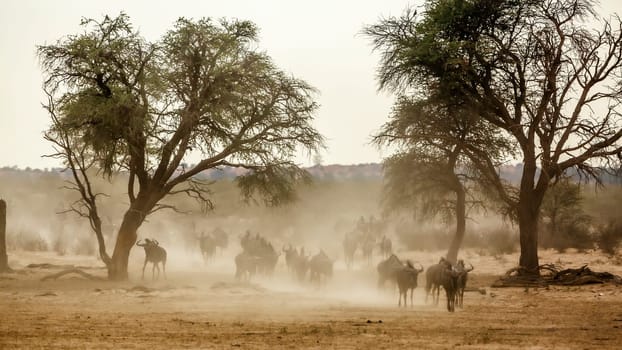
x=259, y=257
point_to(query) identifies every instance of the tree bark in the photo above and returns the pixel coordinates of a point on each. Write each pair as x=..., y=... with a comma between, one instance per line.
x=126, y=238
x=456, y=242
x=4, y=259
x=528, y=212
x=528, y=228
x=101, y=243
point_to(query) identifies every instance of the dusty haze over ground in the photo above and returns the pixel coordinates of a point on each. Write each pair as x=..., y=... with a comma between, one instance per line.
x=201, y=305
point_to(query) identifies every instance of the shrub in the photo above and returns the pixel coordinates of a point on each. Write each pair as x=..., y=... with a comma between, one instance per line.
x=496, y=241
x=573, y=234
x=26, y=240
x=609, y=236
x=499, y=241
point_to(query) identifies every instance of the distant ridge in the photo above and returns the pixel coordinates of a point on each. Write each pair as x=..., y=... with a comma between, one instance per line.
x=365, y=171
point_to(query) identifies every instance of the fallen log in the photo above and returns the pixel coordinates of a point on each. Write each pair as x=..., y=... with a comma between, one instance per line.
x=522, y=277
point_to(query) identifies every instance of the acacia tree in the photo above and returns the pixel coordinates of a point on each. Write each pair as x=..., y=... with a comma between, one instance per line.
x=431, y=169
x=531, y=69
x=122, y=104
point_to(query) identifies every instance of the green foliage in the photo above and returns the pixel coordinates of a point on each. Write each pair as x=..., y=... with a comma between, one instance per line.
x=275, y=184
x=204, y=88
x=121, y=103
x=443, y=151
x=532, y=71
x=410, y=183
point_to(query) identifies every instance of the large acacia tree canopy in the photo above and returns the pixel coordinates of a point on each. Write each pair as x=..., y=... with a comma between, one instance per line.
x=204, y=89
x=546, y=72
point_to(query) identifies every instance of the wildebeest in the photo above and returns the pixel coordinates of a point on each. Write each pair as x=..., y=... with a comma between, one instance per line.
x=245, y=266
x=350, y=245
x=266, y=263
x=449, y=281
x=154, y=254
x=210, y=242
x=290, y=256
x=208, y=246
x=407, y=280
x=386, y=246
x=367, y=247
x=387, y=269
x=264, y=256
x=463, y=276
x=433, y=279
x=320, y=266
x=301, y=265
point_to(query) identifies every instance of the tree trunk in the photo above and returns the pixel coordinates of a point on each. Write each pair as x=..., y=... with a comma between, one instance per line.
x=456, y=242
x=101, y=243
x=528, y=227
x=4, y=259
x=126, y=238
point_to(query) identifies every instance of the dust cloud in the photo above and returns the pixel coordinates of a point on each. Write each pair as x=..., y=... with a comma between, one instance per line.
x=41, y=227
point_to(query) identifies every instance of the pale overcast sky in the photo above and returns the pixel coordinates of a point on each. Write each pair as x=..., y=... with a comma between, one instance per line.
x=317, y=41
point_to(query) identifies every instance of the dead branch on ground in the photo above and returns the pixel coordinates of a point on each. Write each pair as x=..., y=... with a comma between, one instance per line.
x=73, y=270
x=522, y=277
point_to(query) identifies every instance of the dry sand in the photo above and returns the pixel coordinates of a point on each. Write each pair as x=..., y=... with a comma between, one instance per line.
x=203, y=307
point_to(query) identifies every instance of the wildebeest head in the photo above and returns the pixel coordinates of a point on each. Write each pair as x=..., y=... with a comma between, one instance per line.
x=410, y=265
x=148, y=243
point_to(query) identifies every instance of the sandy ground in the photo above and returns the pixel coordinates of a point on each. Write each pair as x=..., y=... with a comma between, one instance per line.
x=203, y=307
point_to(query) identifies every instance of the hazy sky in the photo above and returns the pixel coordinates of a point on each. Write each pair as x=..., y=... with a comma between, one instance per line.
x=317, y=41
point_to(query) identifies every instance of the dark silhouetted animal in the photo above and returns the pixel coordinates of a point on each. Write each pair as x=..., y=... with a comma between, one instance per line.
x=263, y=254
x=350, y=245
x=449, y=281
x=320, y=267
x=407, y=280
x=388, y=269
x=208, y=246
x=154, y=254
x=463, y=276
x=367, y=247
x=210, y=242
x=290, y=256
x=386, y=246
x=301, y=265
x=433, y=279
x=245, y=266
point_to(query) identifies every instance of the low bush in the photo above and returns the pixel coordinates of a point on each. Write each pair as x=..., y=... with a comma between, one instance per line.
x=609, y=236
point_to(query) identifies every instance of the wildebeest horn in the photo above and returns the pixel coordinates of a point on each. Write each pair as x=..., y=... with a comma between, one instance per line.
x=421, y=269
x=471, y=269
x=138, y=243
x=156, y=242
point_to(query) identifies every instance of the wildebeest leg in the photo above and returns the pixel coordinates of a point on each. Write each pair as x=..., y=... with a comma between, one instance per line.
x=411, y=297
x=164, y=269
x=144, y=265
x=450, y=301
x=461, y=296
x=153, y=271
